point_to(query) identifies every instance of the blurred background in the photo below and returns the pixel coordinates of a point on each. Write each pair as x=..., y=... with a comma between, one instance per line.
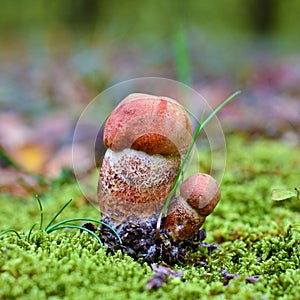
x=56, y=56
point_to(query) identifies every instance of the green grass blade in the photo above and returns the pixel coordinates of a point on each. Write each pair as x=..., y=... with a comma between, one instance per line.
x=183, y=164
x=219, y=108
x=51, y=228
x=181, y=57
x=11, y=230
x=177, y=178
x=195, y=136
x=57, y=214
x=200, y=126
x=81, y=228
x=41, y=211
x=30, y=231
x=186, y=157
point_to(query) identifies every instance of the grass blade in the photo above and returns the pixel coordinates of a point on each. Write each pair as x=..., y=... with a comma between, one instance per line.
x=53, y=227
x=10, y=230
x=186, y=157
x=57, y=214
x=30, y=231
x=181, y=59
x=41, y=211
x=219, y=108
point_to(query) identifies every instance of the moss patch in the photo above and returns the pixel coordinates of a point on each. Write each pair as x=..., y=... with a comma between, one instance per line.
x=250, y=228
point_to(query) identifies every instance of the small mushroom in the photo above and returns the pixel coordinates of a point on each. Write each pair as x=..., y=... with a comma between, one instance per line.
x=199, y=195
x=147, y=137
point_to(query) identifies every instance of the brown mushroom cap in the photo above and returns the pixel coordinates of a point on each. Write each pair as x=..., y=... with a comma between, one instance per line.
x=153, y=124
x=202, y=192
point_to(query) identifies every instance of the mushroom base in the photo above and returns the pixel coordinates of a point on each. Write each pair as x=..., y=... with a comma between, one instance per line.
x=139, y=241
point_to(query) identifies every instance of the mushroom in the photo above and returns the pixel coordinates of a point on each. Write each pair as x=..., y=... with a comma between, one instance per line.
x=147, y=137
x=199, y=195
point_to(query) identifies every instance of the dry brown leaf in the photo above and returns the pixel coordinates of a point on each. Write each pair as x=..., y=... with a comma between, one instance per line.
x=19, y=184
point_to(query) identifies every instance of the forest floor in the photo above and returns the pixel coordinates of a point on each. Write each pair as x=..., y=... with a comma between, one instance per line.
x=258, y=255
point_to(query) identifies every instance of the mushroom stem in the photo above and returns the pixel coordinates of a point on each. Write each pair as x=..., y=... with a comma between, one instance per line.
x=134, y=184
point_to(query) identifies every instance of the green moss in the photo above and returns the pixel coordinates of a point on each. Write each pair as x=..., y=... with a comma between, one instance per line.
x=251, y=229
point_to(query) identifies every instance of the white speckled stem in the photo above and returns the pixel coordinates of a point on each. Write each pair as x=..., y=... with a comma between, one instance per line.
x=134, y=184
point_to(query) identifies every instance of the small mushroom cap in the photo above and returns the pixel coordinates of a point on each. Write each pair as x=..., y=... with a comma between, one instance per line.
x=152, y=124
x=202, y=192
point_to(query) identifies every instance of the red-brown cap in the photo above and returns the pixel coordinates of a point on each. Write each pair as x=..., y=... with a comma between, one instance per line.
x=202, y=192
x=153, y=124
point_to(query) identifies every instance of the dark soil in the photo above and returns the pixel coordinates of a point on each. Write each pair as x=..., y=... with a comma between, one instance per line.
x=139, y=241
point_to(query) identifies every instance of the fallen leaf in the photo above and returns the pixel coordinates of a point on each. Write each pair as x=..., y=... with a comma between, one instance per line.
x=161, y=276
x=20, y=184
x=228, y=277
x=210, y=247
